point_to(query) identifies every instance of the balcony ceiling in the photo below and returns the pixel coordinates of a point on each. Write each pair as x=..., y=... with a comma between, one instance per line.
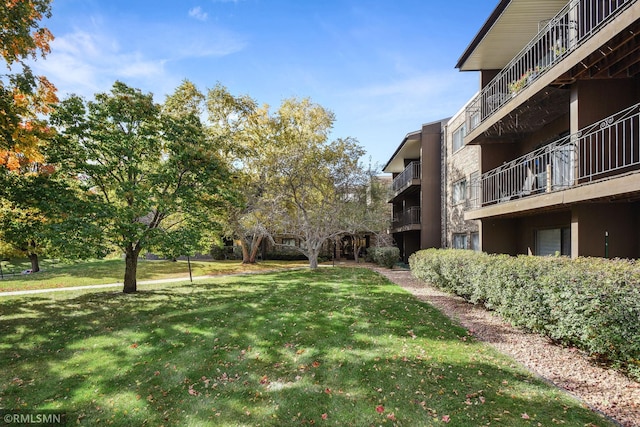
x=541, y=109
x=510, y=28
x=409, y=149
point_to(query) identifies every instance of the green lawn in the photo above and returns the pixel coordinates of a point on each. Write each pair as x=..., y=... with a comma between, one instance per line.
x=112, y=271
x=334, y=346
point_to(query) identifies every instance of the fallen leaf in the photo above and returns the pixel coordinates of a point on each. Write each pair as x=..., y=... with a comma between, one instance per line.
x=446, y=418
x=134, y=345
x=324, y=416
x=380, y=409
x=525, y=416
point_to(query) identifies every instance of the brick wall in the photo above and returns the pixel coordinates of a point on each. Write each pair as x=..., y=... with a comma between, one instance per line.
x=457, y=166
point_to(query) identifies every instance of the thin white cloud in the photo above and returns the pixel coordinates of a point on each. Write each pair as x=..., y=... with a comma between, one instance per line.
x=198, y=14
x=90, y=58
x=84, y=63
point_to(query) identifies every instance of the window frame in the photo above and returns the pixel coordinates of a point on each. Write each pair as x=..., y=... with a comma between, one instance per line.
x=565, y=240
x=289, y=242
x=457, y=138
x=456, y=236
x=472, y=246
x=456, y=197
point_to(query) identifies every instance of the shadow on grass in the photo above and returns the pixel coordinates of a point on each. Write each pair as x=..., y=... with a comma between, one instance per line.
x=275, y=349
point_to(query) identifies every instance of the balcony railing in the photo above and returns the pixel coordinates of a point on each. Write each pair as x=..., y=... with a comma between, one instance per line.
x=561, y=35
x=410, y=216
x=404, y=180
x=602, y=150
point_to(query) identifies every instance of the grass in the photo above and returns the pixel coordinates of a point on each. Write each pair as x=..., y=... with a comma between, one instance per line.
x=333, y=346
x=112, y=271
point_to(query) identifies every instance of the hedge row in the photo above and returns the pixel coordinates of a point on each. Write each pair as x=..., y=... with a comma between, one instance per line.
x=385, y=256
x=590, y=303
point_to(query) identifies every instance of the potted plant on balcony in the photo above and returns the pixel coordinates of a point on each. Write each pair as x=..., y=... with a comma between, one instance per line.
x=527, y=77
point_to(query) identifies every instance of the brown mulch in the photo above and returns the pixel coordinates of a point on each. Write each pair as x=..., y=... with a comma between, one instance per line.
x=604, y=390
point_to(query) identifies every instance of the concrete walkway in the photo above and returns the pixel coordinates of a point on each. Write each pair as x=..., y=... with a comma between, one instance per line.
x=143, y=282
x=108, y=285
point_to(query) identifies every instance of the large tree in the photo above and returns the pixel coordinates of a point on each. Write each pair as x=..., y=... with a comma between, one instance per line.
x=154, y=168
x=248, y=128
x=313, y=179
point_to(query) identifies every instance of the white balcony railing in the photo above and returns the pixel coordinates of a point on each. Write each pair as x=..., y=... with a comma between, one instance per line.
x=406, y=177
x=602, y=150
x=561, y=35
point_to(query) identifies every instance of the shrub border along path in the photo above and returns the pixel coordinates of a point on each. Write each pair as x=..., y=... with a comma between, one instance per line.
x=604, y=390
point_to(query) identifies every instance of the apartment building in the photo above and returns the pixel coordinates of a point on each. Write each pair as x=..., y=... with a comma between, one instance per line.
x=557, y=125
x=416, y=191
x=432, y=170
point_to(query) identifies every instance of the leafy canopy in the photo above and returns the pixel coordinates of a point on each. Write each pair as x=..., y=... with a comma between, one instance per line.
x=155, y=169
x=24, y=97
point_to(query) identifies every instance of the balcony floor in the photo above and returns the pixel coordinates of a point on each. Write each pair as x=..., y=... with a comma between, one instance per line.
x=618, y=188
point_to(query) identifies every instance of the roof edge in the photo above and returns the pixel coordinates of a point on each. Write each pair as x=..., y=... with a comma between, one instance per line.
x=404, y=140
x=483, y=32
x=442, y=122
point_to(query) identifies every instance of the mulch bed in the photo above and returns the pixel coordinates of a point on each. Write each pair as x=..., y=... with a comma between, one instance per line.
x=602, y=389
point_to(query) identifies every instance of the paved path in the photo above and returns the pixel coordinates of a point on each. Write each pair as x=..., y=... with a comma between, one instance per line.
x=106, y=285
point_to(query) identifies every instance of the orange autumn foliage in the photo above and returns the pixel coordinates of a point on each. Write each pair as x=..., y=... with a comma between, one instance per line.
x=25, y=103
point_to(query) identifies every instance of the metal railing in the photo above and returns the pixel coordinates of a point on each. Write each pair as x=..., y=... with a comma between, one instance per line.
x=410, y=216
x=402, y=181
x=602, y=150
x=561, y=35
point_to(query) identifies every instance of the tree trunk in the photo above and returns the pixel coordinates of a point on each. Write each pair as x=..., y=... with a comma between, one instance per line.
x=356, y=250
x=130, y=270
x=313, y=261
x=35, y=264
x=245, y=252
x=254, y=250
x=313, y=258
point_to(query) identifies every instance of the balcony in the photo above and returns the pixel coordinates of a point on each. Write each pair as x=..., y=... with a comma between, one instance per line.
x=601, y=151
x=576, y=23
x=407, y=178
x=407, y=220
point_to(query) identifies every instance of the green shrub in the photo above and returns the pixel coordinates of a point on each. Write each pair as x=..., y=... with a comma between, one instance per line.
x=386, y=256
x=590, y=303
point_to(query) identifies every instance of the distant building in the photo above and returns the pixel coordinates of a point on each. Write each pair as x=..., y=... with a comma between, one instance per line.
x=416, y=192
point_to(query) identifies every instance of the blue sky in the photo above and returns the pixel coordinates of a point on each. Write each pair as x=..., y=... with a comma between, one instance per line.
x=383, y=67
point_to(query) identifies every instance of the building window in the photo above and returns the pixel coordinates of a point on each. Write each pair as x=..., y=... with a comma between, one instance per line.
x=458, y=138
x=475, y=241
x=553, y=241
x=460, y=241
x=288, y=241
x=459, y=191
x=474, y=119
